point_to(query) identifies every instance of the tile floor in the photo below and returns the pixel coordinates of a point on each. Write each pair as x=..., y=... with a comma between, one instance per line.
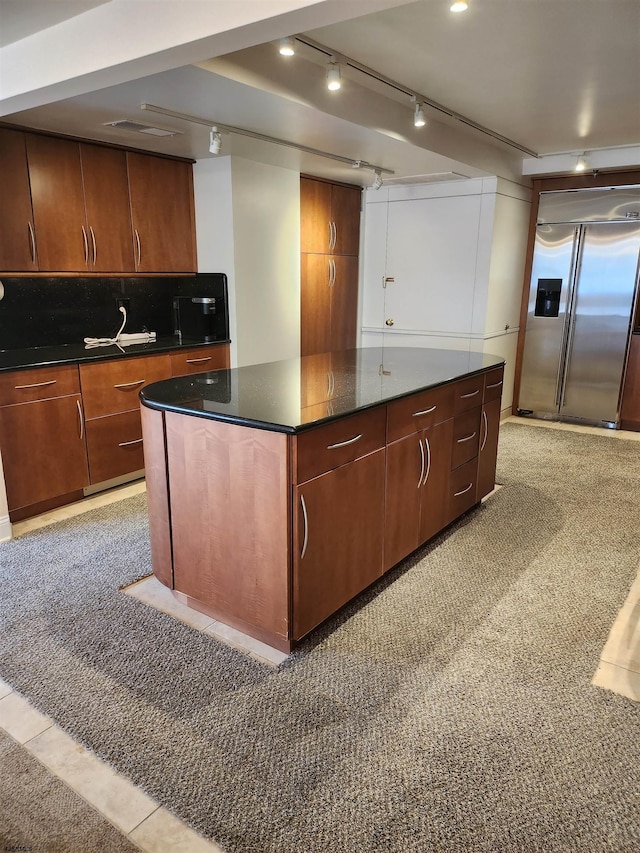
x=145, y=823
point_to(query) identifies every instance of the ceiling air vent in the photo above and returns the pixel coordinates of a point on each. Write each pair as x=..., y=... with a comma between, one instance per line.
x=138, y=127
x=433, y=178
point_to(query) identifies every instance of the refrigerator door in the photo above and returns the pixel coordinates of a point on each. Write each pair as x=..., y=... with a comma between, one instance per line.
x=600, y=322
x=544, y=348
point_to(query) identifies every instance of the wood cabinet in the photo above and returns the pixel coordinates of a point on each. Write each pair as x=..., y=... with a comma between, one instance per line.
x=68, y=206
x=17, y=236
x=162, y=214
x=630, y=404
x=42, y=436
x=489, y=429
x=330, y=234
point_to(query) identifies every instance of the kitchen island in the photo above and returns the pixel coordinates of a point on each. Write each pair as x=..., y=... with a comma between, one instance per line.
x=278, y=492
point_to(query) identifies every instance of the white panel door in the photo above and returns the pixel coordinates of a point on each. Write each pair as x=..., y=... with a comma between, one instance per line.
x=431, y=255
x=374, y=264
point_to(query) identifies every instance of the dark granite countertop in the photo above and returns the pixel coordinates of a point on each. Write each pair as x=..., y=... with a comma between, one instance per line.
x=292, y=395
x=18, y=359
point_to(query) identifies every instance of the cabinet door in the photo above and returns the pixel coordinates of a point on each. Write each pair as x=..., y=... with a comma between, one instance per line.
x=58, y=204
x=17, y=240
x=315, y=216
x=344, y=302
x=339, y=519
x=345, y=214
x=488, y=453
x=106, y=191
x=43, y=450
x=434, y=508
x=405, y=469
x=163, y=219
x=316, y=273
x=114, y=445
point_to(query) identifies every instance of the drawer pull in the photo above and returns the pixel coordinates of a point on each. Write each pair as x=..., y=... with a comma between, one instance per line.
x=35, y=385
x=130, y=384
x=486, y=430
x=32, y=241
x=305, y=540
x=470, y=394
x=463, y=491
x=129, y=443
x=495, y=384
x=198, y=360
x=425, y=412
x=466, y=438
x=344, y=443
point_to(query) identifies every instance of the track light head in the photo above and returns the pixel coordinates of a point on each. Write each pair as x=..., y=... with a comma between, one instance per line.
x=215, y=141
x=459, y=6
x=582, y=164
x=418, y=117
x=377, y=181
x=334, y=81
x=287, y=46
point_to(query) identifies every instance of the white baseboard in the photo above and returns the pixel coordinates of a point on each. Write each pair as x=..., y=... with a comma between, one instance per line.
x=5, y=528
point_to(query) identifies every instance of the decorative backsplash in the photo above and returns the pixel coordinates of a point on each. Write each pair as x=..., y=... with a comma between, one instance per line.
x=52, y=311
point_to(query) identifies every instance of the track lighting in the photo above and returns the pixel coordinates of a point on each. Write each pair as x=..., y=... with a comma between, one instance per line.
x=287, y=46
x=215, y=141
x=333, y=77
x=418, y=118
x=459, y=6
x=582, y=163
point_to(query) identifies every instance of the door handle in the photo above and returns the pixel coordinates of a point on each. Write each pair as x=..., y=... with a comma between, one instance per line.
x=305, y=518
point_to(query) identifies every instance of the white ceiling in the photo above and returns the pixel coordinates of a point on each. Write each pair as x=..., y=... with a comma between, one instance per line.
x=552, y=75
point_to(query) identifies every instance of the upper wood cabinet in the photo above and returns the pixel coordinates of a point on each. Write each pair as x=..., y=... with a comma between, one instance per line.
x=162, y=214
x=329, y=218
x=17, y=238
x=68, y=206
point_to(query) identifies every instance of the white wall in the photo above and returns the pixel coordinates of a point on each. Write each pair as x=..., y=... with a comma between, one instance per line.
x=456, y=253
x=266, y=238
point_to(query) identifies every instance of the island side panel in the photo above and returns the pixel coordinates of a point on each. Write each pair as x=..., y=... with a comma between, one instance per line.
x=157, y=494
x=229, y=497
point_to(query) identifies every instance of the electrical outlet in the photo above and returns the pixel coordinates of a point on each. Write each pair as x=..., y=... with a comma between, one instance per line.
x=123, y=302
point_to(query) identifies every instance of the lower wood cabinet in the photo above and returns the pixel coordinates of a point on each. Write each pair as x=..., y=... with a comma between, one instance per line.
x=338, y=539
x=488, y=451
x=114, y=446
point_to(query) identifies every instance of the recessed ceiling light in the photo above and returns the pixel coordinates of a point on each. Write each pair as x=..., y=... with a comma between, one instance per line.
x=459, y=6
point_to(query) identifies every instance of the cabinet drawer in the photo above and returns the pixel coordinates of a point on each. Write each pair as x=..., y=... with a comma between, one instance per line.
x=466, y=437
x=419, y=411
x=199, y=359
x=493, y=380
x=467, y=393
x=463, y=484
x=327, y=447
x=115, y=445
x=113, y=386
x=42, y=383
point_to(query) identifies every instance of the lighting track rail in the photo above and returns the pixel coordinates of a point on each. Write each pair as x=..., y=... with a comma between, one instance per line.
x=263, y=137
x=416, y=96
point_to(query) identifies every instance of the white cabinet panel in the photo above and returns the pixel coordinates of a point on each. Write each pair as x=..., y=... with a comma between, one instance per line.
x=431, y=255
x=375, y=259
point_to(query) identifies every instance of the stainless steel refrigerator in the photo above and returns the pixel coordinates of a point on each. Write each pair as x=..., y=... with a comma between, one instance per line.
x=584, y=280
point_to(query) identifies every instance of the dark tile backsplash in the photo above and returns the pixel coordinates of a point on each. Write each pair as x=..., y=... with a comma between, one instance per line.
x=52, y=311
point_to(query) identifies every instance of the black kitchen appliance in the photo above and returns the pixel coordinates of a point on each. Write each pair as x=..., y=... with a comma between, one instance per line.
x=199, y=318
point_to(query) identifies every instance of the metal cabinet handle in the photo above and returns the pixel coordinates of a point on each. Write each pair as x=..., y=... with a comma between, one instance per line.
x=334, y=235
x=330, y=236
x=344, y=443
x=328, y=272
x=130, y=384
x=305, y=539
x=86, y=245
x=32, y=241
x=424, y=412
x=466, y=438
x=495, y=384
x=81, y=419
x=139, y=248
x=471, y=394
x=463, y=491
x=35, y=385
x=128, y=443
x=486, y=430
x=93, y=244
x=198, y=360
x=333, y=264
x=427, y=447
x=421, y=463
